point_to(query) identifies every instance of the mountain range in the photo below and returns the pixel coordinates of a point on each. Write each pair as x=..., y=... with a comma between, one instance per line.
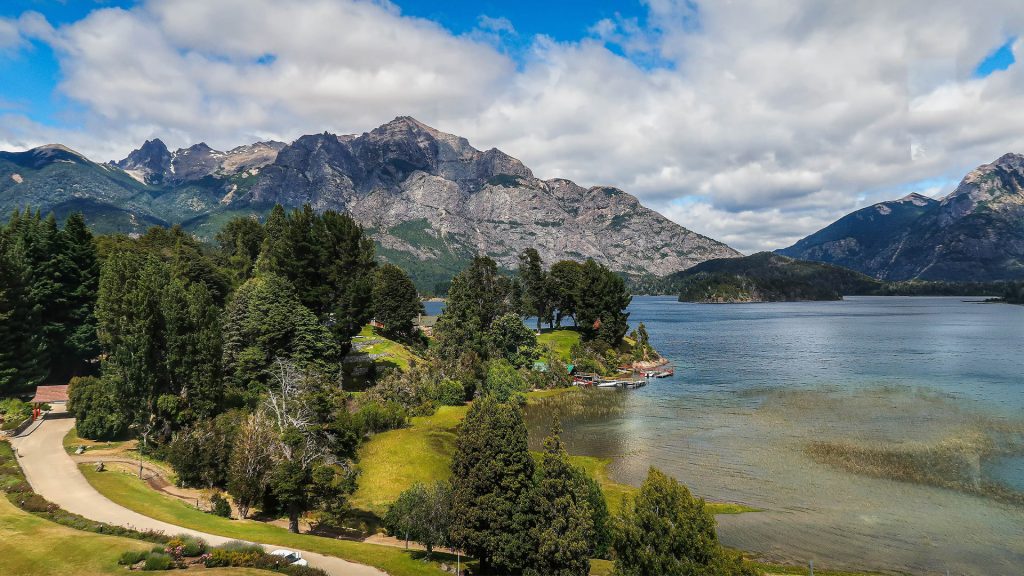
x=976, y=233
x=429, y=199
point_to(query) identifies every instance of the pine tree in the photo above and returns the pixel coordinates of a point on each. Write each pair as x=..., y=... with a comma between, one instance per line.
x=565, y=281
x=395, y=300
x=131, y=332
x=328, y=260
x=601, y=302
x=477, y=297
x=346, y=270
x=240, y=241
x=265, y=321
x=22, y=347
x=563, y=520
x=193, y=349
x=492, y=471
x=79, y=279
x=536, y=293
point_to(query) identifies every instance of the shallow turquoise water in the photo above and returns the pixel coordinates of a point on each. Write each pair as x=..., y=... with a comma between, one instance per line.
x=756, y=383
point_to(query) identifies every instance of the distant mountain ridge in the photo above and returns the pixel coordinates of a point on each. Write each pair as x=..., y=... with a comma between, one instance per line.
x=976, y=233
x=767, y=277
x=430, y=200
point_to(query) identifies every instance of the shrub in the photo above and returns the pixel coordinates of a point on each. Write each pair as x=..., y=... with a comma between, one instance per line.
x=193, y=548
x=449, y=392
x=156, y=561
x=98, y=412
x=221, y=507
x=186, y=546
x=32, y=502
x=239, y=546
x=16, y=486
x=14, y=410
x=376, y=417
x=294, y=570
x=132, y=557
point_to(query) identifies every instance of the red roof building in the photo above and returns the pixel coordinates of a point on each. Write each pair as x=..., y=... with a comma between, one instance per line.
x=51, y=394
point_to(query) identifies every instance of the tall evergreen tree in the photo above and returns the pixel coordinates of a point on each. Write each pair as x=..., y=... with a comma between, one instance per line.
x=563, y=520
x=79, y=279
x=492, y=470
x=328, y=260
x=395, y=300
x=193, y=349
x=665, y=530
x=346, y=271
x=536, y=286
x=564, y=283
x=131, y=332
x=601, y=302
x=477, y=297
x=22, y=348
x=240, y=241
x=265, y=321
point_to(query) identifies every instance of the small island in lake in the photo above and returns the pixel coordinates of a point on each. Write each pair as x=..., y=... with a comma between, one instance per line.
x=768, y=277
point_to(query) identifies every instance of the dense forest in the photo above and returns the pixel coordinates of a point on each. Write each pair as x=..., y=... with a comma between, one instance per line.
x=771, y=277
x=224, y=360
x=768, y=277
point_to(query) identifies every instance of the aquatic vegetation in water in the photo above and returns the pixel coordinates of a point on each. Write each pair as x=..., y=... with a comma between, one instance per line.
x=955, y=463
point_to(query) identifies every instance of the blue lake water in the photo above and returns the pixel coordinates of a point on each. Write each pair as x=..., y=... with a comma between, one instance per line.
x=756, y=383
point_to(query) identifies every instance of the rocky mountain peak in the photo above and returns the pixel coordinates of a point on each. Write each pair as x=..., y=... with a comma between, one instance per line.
x=996, y=186
x=147, y=164
x=40, y=156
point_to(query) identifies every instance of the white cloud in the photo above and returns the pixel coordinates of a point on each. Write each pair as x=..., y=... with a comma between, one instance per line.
x=770, y=118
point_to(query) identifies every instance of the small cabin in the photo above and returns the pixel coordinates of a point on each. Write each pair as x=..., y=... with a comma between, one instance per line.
x=425, y=324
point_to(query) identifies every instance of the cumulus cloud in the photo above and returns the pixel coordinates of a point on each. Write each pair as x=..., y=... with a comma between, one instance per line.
x=754, y=122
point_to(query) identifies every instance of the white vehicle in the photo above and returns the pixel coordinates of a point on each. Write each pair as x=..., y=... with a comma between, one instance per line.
x=293, y=558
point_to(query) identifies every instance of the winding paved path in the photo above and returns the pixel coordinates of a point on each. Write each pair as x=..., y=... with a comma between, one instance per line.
x=55, y=476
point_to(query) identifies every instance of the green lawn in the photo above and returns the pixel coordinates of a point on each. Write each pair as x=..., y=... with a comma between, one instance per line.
x=560, y=340
x=132, y=493
x=392, y=461
x=31, y=546
x=72, y=441
x=394, y=352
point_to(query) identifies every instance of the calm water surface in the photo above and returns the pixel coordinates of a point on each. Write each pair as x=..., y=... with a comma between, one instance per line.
x=756, y=383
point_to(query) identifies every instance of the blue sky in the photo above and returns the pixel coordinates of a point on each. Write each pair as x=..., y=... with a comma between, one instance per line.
x=29, y=80
x=1000, y=59
x=754, y=122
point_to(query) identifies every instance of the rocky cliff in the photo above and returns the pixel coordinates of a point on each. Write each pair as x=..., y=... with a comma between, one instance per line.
x=976, y=233
x=430, y=199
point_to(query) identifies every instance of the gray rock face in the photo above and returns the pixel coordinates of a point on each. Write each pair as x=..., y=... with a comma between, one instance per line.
x=154, y=164
x=429, y=198
x=973, y=234
x=149, y=164
x=430, y=194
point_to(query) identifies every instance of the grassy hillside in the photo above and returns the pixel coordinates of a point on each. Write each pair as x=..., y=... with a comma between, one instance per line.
x=393, y=461
x=386, y=351
x=561, y=341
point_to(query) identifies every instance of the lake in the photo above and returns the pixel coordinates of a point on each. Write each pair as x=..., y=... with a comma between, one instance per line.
x=920, y=387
